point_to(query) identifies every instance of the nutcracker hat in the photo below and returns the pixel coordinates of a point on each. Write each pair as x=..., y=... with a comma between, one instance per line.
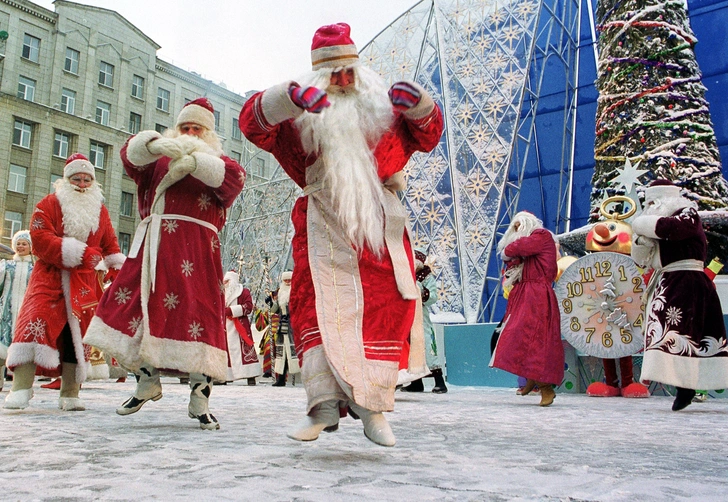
x=78, y=163
x=287, y=275
x=661, y=189
x=332, y=47
x=21, y=235
x=200, y=112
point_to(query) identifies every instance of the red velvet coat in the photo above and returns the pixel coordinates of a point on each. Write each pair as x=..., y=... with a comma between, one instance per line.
x=59, y=285
x=387, y=317
x=530, y=342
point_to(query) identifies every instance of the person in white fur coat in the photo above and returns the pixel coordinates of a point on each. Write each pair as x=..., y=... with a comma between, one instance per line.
x=73, y=241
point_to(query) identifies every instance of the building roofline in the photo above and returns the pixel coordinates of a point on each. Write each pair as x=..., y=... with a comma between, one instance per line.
x=33, y=9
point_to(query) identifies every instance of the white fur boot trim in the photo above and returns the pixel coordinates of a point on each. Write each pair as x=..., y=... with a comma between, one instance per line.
x=71, y=404
x=376, y=427
x=322, y=417
x=18, y=399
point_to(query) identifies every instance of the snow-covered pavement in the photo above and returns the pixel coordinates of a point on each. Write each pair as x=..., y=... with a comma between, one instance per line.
x=473, y=443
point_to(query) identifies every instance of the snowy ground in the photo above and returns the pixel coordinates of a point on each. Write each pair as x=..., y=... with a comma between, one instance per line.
x=470, y=444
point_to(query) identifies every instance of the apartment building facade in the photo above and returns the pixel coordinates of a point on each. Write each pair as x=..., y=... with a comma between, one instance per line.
x=83, y=79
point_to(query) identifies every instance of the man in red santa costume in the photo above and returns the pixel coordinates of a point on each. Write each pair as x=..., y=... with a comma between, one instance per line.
x=530, y=341
x=685, y=338
x=73, y=240
x=344, y=137
x=242, y=357
x=166, y=308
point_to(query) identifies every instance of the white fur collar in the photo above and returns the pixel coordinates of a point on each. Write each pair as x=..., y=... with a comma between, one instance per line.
x=81, y=211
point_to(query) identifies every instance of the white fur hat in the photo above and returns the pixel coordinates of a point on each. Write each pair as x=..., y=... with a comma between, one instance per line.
x=78, y=163
x=287, y=275
x=661, y=189
x=21, y=235
x=200, y=112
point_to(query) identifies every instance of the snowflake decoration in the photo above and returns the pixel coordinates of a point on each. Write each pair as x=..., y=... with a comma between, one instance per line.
x=418, y=192
x=447, y=238
x=37, y=224
x=476, y=237
x=195, y=330
x=497, y=61
x=511, y=79
x=203, y=201
x=436, y=165
x=497, y=17
x=215, y=243
x=483, y=44
x=456, y=52
x=673, y=315
x=495, y=106
x=511, y=34
x=478, y=183
x=480, y=135
x=525, y=9
x=466, y=113
x=495, y=155
x=433, y=216
x=171, y=301
x=35, y=331
x=405, y=68
x=187, y=267
x=135, y=324
x=419, y=240
x=170, y=226
x=122, y=295
x=482, y=87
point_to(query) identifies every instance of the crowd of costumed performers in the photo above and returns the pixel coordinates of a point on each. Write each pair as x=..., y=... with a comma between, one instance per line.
x=353, y=315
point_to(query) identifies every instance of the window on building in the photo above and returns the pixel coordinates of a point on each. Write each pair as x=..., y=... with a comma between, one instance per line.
x=22, y=134
x=68, y=101
x=103, y=112
x=31, y=48
x=235, y=156
x=106, y=74
x=127, y=204
x=71, y=63
x=135, y=123
x=13, y=223
x=160, y=128
x=97, y=154
x=16, y=180
x=217, y=120
x=137, y=87
x=54, y=178
x=163, y=99
x=236, y=129
x=26, y=88
x=61, y=144
x=259, y=167
x=124, y=242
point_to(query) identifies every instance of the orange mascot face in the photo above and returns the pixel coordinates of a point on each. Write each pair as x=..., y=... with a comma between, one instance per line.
x=612, y=234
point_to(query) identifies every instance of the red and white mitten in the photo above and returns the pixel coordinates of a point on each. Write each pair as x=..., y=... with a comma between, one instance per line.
x=91, y=257
x=404, y=96
x=311, y=99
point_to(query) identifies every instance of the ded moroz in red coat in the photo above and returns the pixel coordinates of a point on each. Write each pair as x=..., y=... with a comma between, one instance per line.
x=530, y=342
x=243, y=359
x=357, y=312
x=61, y=290
x=168, y=312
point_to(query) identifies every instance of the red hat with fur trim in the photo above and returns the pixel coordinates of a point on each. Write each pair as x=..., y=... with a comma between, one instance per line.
x=332, y=47
x=661, y=189
x=200, y=112
x=78, y=163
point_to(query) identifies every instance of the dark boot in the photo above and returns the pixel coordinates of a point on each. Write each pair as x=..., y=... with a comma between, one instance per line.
x=414, y=386
x=683, y=398
x=440, y=387
x=251, y=381
x=280, y=381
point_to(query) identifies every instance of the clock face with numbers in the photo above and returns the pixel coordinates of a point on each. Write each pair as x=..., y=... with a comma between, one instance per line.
x=600, y=299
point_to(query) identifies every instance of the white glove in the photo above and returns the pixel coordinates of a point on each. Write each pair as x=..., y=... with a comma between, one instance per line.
x=182, y=166
x=165, y=146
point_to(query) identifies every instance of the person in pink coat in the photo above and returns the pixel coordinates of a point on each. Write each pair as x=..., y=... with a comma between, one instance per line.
x=530, y=340
x=72, y=235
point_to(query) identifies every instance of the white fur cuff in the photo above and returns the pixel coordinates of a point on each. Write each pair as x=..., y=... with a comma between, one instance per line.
x=115, y=260
x=136, y=150
x=72, y=252
x=210, y=169
x=645, y=225
x=424, y=107
x=237, y=310
x=277, y=106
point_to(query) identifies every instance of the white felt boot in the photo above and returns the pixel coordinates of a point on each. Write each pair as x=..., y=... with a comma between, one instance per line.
x=322, y=417
x=22, y=390
x=148, y=388
x=201, y=387
x=18, y=399
x=376, y=427
x=69, y=400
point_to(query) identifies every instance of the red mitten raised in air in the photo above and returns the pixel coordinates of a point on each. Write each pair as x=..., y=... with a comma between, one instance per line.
x=404, y=96
x=311, y=99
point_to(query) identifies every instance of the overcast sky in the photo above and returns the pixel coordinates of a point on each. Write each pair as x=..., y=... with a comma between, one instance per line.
x=248, y=44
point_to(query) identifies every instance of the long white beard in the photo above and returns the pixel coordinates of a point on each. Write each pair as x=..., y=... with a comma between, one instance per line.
x=284, y=295
x=667, y=206
x=344, y=135
x=81, y=210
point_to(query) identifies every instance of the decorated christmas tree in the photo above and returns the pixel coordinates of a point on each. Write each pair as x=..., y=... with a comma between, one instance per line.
x=652, y=110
